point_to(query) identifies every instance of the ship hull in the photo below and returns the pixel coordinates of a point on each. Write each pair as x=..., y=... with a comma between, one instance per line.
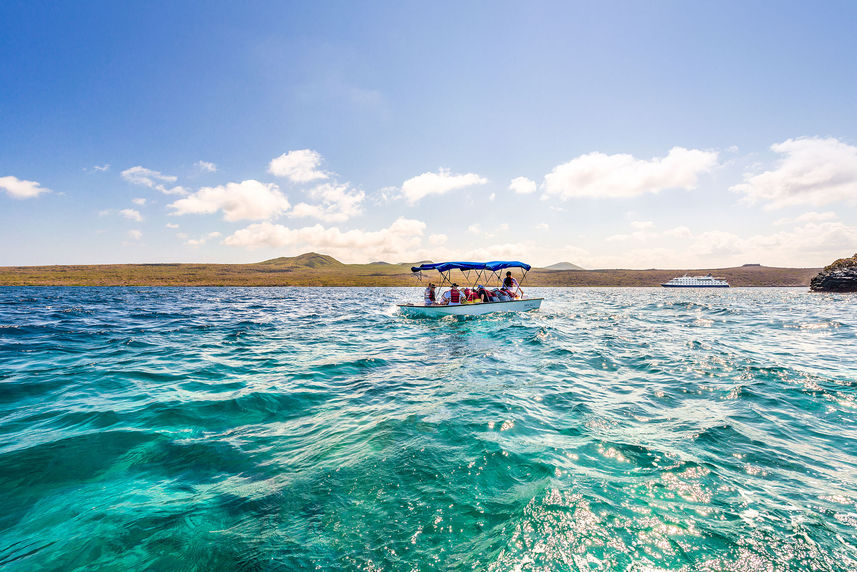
x=695, y=285
x=470, y=309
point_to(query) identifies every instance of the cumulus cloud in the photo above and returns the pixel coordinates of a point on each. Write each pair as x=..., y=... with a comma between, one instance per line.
x=131, y=214
x=135, y=234
x=205, y=167
x=438, y=183
x=172, y=225
x=201, y=240
x=299, y=166
x=642, y=224
x=806, y=243
x=598, y=175
x=338, y=203
x=152, y=179
x=139, y=201
x=247, y=200
x=807, y=217
x=21, y=189
x=522, y=185
x=401, y=238
x=813, y=171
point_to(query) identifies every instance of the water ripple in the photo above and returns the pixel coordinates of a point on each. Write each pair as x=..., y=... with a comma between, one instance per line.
x=313, y=428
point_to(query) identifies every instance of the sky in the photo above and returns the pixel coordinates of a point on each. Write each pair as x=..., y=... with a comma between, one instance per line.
x=664, y=134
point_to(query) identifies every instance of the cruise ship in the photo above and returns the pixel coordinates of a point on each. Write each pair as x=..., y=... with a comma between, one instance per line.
x=696, y=282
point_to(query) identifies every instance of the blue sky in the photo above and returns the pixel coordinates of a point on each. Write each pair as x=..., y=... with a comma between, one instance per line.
x=632, y=134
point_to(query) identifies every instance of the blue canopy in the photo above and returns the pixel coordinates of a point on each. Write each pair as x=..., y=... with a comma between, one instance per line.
x=494, y=266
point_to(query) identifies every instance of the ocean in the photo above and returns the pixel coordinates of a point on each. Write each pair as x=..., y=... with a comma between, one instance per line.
x=315, y=429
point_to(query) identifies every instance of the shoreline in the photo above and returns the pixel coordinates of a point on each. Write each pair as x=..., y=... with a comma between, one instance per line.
x=364, y=275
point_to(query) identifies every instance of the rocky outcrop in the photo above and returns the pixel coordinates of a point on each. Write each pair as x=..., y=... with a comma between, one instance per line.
x=841, y=276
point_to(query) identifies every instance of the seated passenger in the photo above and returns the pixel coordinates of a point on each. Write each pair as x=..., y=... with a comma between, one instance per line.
x=512, y=285
x=453, y=296
x=482, y=294
x=430, y=296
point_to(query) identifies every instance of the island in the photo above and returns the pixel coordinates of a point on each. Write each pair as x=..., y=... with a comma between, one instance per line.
x=313, y=269
x=841, y=276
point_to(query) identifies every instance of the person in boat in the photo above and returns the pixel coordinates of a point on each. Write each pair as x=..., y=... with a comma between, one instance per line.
x=453, y=296
x=430, y=296
x=482, y=294
x=511, y=286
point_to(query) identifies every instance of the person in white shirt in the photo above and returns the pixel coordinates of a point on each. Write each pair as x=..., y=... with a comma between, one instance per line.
x=453, y=296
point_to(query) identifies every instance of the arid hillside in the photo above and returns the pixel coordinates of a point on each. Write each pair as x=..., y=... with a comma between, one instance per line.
x=313, y=269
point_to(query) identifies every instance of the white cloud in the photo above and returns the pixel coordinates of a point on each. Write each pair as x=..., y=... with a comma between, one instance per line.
x=338, y=203
x=399, y=239
x=201, y=240
x=807, y=244
x=152, y=179
x=135, y=234
x=542, y=226
x=642, y=224
x=522, y=185
x=807, y=217
x=492, y=196
x=172, y=225
x=131, y=214
x=139, y=201
x=247, y=200
x=299, y=166
x=102, y=168
x=813, y=171
x=20, y=189
x=438, y=183
x=600, y=176
x=205, y=166
x=478, y=230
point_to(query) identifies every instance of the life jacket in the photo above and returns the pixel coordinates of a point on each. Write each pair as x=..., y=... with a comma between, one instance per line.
x=430, y=295
x=454, y=296
x=470, y=295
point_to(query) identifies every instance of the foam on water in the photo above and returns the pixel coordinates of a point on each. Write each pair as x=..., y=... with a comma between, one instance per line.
x=313, y=428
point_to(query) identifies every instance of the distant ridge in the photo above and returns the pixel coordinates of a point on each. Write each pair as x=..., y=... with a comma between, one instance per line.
x=307, y=260
x=314, y=269
x=563, y=266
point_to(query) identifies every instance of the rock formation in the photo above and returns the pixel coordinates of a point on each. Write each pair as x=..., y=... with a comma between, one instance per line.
x=841, y=276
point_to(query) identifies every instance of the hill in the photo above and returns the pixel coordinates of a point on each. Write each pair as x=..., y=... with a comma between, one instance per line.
x=313, y=269
x=563, y=266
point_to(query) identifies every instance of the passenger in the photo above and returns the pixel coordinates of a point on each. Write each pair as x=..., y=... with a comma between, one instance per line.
x=512, y=285
x=453, y=296
x=470, y=295
x=482, y=294
x=430, y=296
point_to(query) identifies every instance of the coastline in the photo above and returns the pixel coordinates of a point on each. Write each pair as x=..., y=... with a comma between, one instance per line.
x=291, y=273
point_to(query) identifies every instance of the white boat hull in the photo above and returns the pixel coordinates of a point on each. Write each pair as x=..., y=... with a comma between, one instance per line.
x=470, y=308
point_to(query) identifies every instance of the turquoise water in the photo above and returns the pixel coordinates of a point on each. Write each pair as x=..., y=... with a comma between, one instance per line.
x=313, y=428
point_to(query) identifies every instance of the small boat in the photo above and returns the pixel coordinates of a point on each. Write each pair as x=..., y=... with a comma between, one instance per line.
x=686, y=281
x=476, y=273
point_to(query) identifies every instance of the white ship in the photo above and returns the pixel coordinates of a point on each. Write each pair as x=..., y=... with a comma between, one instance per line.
x=687, y=281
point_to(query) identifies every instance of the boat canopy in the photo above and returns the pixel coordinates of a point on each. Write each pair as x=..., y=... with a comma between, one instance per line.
x=493, y=266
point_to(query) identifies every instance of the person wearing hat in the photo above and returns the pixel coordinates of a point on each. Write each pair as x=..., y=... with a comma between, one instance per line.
x=453, y=296
x=430, y=296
